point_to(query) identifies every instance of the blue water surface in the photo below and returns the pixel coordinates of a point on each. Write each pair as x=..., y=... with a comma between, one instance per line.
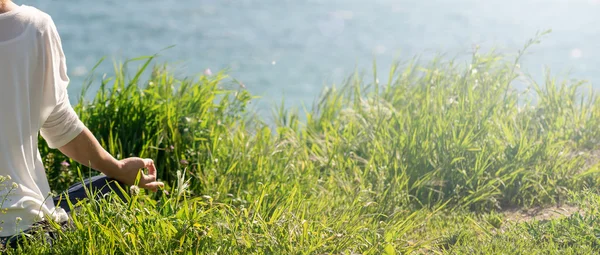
x=292, y=48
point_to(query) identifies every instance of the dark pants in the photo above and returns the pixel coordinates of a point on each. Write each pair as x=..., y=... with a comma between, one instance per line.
x=98, y=187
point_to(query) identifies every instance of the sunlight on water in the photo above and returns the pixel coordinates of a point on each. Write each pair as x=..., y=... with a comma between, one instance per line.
x=293, y=48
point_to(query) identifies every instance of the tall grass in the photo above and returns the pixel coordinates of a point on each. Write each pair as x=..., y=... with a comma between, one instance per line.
x=371, y=164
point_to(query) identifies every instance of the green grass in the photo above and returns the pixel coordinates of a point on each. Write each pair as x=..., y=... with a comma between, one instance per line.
x=425, y=163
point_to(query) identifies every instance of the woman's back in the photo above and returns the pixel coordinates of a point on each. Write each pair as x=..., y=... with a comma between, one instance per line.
x=33, y=84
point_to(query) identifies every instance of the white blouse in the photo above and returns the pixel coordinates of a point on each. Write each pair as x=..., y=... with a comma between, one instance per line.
x=33, y=99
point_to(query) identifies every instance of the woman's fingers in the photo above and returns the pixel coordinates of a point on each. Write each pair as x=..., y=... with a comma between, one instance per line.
x=147, y=181
x=154, y=186
x=151, y=183
x=149, y=164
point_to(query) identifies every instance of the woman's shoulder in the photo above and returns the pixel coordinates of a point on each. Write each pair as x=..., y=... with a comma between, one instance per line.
x=37, y=18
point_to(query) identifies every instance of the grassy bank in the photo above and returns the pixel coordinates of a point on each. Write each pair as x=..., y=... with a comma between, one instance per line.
x=429, y=162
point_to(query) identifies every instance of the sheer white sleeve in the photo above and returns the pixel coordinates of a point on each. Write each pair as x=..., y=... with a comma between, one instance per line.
x=62, y=124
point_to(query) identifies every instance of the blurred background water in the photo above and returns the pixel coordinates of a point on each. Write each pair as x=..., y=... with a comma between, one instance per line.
x=292, y=48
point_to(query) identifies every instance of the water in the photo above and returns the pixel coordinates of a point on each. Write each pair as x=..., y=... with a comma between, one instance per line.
x=292, y=48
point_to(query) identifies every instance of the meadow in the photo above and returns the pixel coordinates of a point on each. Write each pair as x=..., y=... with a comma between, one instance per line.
x=446, y=157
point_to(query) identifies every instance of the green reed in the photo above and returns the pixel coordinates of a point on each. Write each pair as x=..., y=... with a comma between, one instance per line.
x=365, y=170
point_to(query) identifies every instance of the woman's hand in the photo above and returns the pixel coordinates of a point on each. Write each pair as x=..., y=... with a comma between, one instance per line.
x=129, y=169
x=86, y=150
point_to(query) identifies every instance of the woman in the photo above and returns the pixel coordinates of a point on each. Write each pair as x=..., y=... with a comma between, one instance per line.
x=33, y=98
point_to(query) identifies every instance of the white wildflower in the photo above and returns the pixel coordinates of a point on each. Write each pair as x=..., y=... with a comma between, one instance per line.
x=134, y=190
x=451, y=100
x=60, y=215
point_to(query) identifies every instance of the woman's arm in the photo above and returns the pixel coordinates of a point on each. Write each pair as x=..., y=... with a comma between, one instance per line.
x=86, y=150
x=63, y=129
